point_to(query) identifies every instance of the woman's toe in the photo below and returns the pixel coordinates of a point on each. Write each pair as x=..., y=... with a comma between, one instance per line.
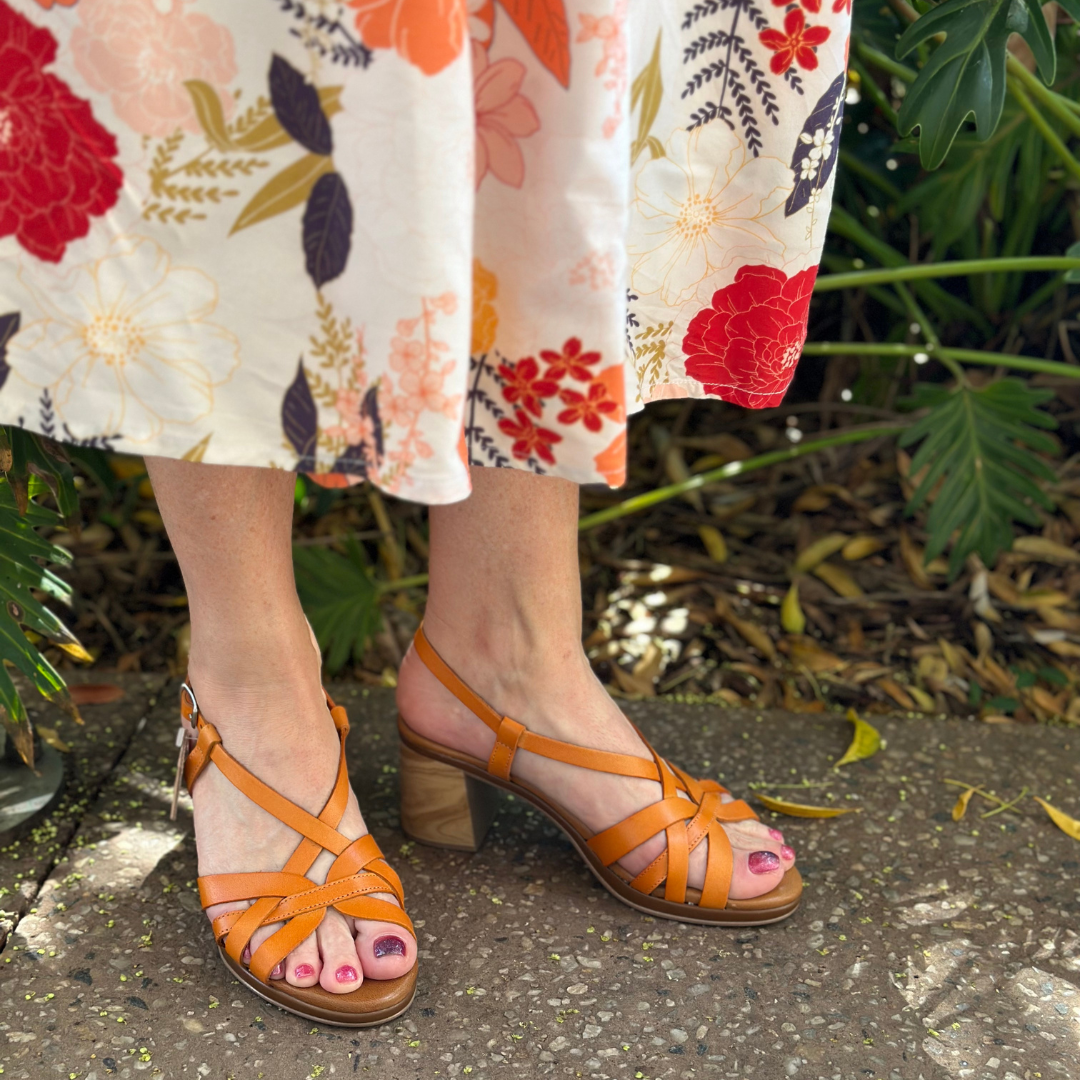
x=385, y=950
x=341, y=970
x=758, y=868
x=302, y=965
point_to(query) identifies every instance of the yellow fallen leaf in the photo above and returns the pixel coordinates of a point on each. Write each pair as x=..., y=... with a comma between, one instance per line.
x=923, y=700
x=866, y=741
x=1039, y=547
x=838, y=579
x=805, y=652
x=897, y=692
x=819, y=551
x=811, y=500
x=912, y=557
x=1068, y=825
x=51, y=736
x=960, y=809
x=751, y=634
x=782, y=806
x=859, y=547
x=713, y=539
x=792, y=618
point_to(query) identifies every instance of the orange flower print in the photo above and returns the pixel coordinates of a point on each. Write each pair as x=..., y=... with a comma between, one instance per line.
x=503, y=115
x=529, y=439
x=571, y=361
x=611, y=461
x=590, y=408
x=485, y=319
x=46, y=4
x=796, y=44
x=525, y=387
x=430, y=34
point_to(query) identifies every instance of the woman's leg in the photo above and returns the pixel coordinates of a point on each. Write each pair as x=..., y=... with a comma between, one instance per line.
x=504, y=611
x=256, y=675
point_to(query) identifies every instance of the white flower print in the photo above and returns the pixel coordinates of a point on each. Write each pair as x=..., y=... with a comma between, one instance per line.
x=707, y=203
x=125, y=341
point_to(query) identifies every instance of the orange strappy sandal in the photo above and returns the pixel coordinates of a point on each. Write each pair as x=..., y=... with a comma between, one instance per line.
x=443, y=804
x=288, y=896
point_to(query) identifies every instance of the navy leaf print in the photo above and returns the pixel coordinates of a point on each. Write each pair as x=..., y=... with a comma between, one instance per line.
x=300, y=420
x=370, y=410
x=9, y=327
x=353, y=461
x=297, y=108
x=818, y=145
x=328, y=222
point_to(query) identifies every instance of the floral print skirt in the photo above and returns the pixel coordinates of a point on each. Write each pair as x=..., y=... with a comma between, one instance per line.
x=386, y=239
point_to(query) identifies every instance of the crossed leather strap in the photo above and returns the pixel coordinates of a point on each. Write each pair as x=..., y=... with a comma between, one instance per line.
x=689, y=811
x=287, y=895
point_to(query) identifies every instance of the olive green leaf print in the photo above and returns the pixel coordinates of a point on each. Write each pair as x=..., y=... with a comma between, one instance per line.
x=210, y=114
x=282, y=192
x=646, y=93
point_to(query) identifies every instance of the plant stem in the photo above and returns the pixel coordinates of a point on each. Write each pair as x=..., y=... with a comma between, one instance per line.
x=1054, y=102
x=874, y=92
x=885, y=63
x=958, y=268
x=733, y=469
x=1047, y=132
x=417, y=581
x=965, y=356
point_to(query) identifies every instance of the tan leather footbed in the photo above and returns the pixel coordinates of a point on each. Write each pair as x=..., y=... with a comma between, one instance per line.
x=771, y=907
x=373, y=1002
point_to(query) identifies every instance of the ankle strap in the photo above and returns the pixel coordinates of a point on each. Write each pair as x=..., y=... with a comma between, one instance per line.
x=511, y=736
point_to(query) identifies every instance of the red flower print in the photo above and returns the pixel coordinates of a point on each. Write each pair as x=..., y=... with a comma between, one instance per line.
x=523, y=387
x=841, y=5
x=795, y=44
x=529, y=439
x=589, y=408
x=571, y=361
x=56, y=170
x=745, y=346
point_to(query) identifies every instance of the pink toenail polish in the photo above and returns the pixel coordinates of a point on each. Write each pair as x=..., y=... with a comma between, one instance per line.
x=389, y=946
x=787, y=852
x=763, y=862
x=777, y=835
x=304, y=971
x=246, y=956
x=346, y=973
x=278, y=972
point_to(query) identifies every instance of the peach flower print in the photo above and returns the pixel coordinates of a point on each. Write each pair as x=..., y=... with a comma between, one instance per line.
x=611, y=30
x=142, y=57
x=428, y=33
x=503, y=115
x=47, y=4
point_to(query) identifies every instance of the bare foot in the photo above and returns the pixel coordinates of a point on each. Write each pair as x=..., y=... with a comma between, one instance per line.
x=279, y=728
x=559, y=696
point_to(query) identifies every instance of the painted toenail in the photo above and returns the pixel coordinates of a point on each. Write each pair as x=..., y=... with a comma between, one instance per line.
x=787, y=852
x=246, y=956
x=304, y=971
x=777, y=835
x=278, y=972
x=389, y=946
x=763, y=862
x=346, y=973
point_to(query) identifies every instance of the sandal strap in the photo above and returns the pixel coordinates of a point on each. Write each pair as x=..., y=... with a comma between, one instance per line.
x=689, y=811
x=288, y=896
x=511, y=736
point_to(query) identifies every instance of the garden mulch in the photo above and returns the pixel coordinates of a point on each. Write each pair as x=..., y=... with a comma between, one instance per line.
x=925, y=948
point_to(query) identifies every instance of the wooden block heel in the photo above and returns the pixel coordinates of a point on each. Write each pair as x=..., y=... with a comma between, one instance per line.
x=441, y=806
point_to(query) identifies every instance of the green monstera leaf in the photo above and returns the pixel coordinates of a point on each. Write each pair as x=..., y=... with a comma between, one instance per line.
x=965, y=74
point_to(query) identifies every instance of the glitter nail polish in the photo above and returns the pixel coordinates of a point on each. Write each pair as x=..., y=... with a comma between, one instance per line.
x=304, y=971
x=763, y=862
x=346, y=973
x=389, y=946
x=787, y=852
x=777, y=835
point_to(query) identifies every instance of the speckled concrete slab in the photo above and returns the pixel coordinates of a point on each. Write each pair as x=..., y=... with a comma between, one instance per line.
x=924, y=948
